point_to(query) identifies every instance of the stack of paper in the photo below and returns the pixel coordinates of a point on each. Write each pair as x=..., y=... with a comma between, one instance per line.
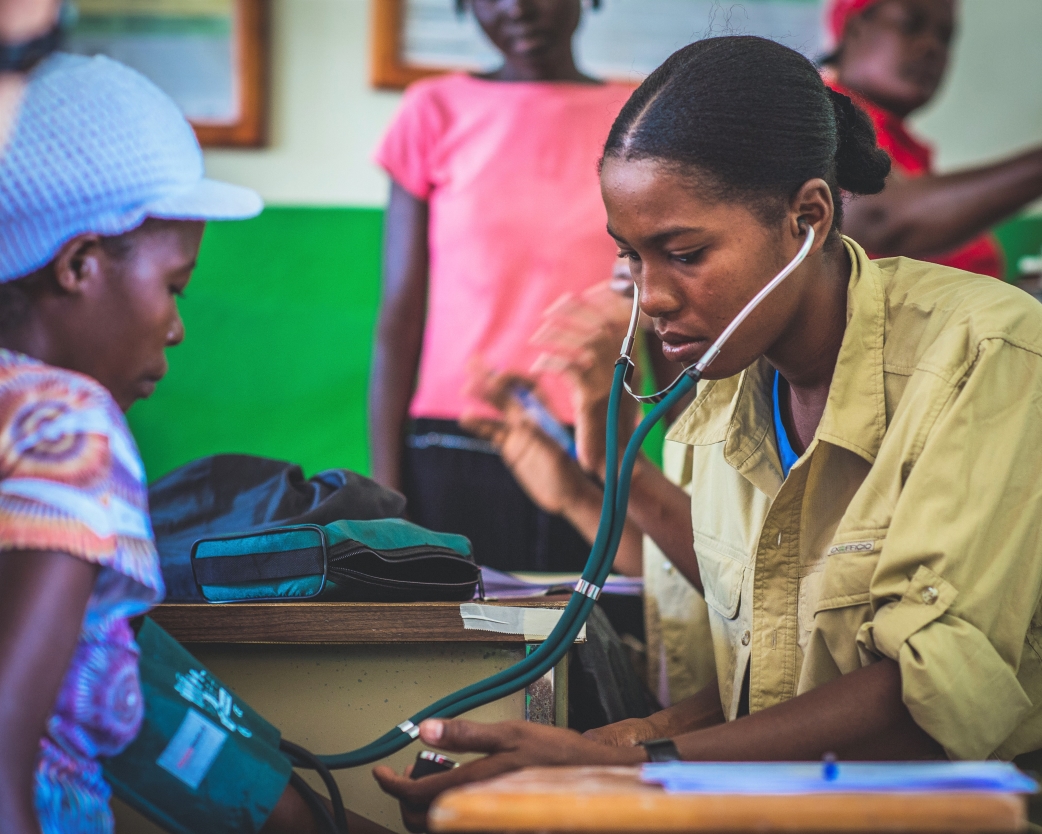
x=842, y=777
x=499, y=585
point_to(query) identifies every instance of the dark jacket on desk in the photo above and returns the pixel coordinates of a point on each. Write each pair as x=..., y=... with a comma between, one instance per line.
x=241, y=493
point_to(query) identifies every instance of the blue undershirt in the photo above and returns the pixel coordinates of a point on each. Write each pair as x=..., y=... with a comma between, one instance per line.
x=785, y=451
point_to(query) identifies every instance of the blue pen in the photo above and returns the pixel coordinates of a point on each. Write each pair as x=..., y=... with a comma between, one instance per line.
x=829, y=767
x=544, y=419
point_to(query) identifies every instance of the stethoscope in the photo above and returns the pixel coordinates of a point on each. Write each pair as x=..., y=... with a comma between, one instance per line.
x=698, y=368
x=605, y=545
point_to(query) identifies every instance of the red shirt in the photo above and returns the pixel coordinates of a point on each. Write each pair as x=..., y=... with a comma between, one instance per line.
x=914, y=158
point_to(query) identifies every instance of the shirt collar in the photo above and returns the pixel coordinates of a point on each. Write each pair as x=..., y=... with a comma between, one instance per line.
x=855, y=412
x=738, y=411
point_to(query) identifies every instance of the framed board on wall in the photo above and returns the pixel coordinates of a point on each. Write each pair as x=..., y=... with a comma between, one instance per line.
x=210, y=56
x=623, y=40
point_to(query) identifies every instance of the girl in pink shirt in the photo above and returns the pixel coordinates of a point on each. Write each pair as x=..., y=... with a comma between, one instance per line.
x=495, y=211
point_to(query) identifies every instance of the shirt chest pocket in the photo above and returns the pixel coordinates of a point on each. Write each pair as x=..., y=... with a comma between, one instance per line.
x=847, y=575
x=723, y=579
x=722, y=569
x=842, y=600
x=840, y=578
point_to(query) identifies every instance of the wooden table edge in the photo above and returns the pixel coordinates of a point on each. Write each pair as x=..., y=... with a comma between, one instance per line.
x=638, y=807
x=333, y=623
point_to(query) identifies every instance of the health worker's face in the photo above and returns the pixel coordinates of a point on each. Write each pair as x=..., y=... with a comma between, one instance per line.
x=528, y=28
x=125, y=315
x=697, y=263
x=895, y=53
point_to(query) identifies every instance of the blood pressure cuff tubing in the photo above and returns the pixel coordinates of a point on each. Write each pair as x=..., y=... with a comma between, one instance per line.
x=203, y=761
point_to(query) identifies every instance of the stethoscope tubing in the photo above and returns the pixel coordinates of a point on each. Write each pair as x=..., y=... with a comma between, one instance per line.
x=618, y=477
x=548, y=653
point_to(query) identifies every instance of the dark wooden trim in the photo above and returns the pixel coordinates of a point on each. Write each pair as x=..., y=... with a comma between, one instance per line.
x=252, y=51
x=331, y=622
x=387, y=70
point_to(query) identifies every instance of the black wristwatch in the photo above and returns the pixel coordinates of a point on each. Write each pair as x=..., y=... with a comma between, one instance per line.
x=661, y=750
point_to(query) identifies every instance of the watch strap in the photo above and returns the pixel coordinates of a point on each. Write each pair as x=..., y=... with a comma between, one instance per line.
x=661, y=750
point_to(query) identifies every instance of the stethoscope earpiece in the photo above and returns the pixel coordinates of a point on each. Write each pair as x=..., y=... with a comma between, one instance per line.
x=699, y=367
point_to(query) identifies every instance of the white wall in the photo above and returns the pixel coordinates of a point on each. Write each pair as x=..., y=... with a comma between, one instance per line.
x=991, y=101
x=326, y=119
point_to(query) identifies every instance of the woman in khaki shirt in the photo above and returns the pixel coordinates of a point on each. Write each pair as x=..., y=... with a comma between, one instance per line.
x=865, y=504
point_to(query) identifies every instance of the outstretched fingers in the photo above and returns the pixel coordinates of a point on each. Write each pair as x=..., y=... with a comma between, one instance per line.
x=462, y=736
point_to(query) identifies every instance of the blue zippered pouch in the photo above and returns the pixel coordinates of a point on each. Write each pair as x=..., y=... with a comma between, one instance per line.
x=386, y=560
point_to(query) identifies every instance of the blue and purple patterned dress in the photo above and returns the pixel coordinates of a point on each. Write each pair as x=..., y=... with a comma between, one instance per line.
x=71, y=480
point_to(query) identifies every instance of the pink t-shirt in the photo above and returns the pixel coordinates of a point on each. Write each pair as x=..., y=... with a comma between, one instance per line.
x=509, y=170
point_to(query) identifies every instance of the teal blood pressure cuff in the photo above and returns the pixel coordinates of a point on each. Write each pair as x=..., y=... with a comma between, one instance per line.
x=385, y=560
x=203, y=761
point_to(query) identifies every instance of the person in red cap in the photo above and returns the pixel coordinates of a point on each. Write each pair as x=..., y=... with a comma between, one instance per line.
x=889, y=56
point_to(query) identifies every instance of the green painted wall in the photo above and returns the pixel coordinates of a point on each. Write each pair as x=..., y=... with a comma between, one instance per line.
x=279, y=320
x=1020, y=236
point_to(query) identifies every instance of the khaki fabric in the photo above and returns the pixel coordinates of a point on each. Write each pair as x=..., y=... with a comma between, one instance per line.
x=912, y=526
x=680, y=644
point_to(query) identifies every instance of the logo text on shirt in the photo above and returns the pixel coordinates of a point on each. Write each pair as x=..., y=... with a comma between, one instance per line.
x=852, y=547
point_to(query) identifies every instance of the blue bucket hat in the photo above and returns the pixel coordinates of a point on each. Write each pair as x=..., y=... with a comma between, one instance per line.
x=99, y=148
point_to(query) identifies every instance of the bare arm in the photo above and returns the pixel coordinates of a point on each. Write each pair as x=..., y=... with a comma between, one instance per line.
x=663, y=510
x=553, y=480
x=43, y=596
x=581, y=507
x=557, y=484
x=857, y=716
x=696, y=712
x=399, y=331
x=922, y=216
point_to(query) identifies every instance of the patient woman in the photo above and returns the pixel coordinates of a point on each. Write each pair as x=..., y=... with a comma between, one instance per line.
x=481, y=166
x=891, y=56
x=102, y=203
x=865, y=513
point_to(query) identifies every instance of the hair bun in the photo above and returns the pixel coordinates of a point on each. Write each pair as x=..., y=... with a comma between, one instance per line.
x=861, y=165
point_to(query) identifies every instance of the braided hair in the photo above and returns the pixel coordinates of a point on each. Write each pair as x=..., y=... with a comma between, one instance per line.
x=749, y=119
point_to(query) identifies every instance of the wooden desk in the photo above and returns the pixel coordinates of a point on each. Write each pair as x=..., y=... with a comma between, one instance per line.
x=613, y=799
x=334, y=623
x=334, y=676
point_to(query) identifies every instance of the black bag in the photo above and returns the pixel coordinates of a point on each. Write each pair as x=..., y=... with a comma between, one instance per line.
x=226, y=494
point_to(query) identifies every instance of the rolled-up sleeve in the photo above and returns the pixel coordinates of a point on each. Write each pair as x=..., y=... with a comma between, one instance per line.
x=959, y=577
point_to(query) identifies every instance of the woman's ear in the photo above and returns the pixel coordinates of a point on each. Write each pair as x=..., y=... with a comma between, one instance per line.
x=77, y=263
x=812, y=206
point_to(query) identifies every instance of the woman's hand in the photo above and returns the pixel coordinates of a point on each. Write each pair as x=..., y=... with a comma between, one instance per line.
x=580, y=337
x=510, y=745
x=544, y=470
x=555, y=482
